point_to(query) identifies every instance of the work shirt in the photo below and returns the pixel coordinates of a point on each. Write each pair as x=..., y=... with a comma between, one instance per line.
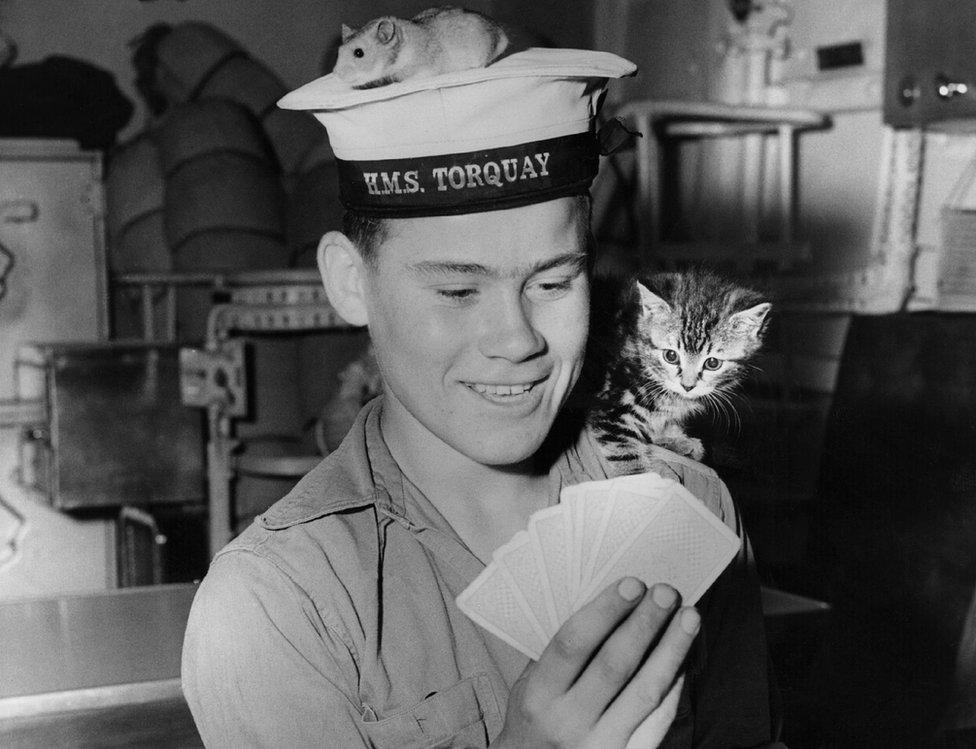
x=331, y=621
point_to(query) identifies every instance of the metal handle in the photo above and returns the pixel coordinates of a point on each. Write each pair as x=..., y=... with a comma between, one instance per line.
x=908, y=91
x=21, y=211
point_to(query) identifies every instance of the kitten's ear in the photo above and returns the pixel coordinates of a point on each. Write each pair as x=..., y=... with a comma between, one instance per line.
x=385, y=31
x=750, y=321
x=347, y=33
x=651, y=303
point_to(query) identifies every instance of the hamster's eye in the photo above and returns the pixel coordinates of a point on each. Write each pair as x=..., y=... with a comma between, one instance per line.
x=358, y=52
x=670, y=356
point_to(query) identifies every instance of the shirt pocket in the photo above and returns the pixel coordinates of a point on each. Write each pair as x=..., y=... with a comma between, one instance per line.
x=458, y=716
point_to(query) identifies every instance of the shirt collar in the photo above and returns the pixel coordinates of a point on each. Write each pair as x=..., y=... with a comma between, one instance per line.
x=362, y=472
x=342, y=481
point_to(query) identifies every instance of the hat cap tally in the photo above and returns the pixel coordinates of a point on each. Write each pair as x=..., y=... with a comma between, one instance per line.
x=515, y=132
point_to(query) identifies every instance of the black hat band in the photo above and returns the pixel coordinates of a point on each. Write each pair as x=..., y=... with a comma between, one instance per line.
x=484, y=180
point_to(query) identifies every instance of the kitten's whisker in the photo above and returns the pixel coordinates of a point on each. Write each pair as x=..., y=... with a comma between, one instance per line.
x=648, y=391
x=715, y=409
x=734, y=394
x=733, y=413
x=641, y=394
x=726, y=398
x=724, y=407
x=729, y=410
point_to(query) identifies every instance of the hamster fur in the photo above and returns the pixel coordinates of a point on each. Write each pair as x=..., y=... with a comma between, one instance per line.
x=438, y=40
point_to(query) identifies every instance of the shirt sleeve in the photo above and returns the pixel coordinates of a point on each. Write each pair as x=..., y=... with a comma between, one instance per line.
x=735, y=699
x=260, y=669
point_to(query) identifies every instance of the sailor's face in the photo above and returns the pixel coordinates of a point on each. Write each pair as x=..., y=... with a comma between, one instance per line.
x=479, y=323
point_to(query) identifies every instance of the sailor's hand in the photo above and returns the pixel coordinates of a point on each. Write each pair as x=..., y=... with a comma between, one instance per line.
x=613, y=664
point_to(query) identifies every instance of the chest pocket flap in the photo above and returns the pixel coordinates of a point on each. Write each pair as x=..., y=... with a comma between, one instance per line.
x=461, y=715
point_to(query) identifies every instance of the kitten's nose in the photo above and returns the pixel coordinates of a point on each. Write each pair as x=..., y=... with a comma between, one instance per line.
x=689, y=388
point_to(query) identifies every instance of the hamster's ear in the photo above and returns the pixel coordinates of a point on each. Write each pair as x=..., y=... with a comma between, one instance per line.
x=385, y=31
x=347, y=33
x=344, y=277
x=651, y=303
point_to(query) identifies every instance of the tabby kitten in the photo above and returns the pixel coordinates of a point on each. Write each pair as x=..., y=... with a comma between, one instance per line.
x=671, y=345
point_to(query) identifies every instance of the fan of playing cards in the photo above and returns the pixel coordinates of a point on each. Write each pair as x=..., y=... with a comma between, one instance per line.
x=643, y=526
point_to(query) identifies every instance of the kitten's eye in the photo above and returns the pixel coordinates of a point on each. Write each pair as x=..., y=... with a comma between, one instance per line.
x=670, y=356
x=358, y=52
x=712, y=363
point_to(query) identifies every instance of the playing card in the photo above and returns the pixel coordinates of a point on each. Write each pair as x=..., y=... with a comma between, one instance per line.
x=523, y=560
x=642, y=526
x=551, y=531
x=633, y=501
x=589, y=521
x=493, y=601
x=573, y=498
x=682, y=544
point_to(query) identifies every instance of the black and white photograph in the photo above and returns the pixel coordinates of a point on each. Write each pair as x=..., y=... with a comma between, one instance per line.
x=557, y=374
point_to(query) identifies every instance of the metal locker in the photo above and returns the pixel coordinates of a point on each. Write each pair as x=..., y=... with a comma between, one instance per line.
x=52, y=287
x=930, y=65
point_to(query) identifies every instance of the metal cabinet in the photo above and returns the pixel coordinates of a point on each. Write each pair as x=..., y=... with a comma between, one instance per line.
x=52, y=261
x=930, y=68
x=52, y=287
x=116, y=433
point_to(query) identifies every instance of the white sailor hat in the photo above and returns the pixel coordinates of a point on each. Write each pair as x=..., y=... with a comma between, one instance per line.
x=518, y=131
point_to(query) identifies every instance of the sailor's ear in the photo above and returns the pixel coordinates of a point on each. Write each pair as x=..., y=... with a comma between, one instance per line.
x=651, y=303
x=344, y=277
x=385, y=31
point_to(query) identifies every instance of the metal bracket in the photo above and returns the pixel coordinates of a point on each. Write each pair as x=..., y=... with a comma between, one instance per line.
x=19, y=413
x=225, y=318
x=217, y=377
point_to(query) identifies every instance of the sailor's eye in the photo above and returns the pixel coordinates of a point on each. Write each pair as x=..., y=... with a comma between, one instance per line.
x=712, y=363
x=670, y=356
x=358, y=52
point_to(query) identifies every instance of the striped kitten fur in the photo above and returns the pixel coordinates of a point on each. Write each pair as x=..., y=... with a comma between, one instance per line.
x=668, y=346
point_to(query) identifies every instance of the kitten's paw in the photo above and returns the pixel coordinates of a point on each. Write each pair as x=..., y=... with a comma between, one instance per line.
x=682, y=444
x=690, y=446
x=696, y=450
